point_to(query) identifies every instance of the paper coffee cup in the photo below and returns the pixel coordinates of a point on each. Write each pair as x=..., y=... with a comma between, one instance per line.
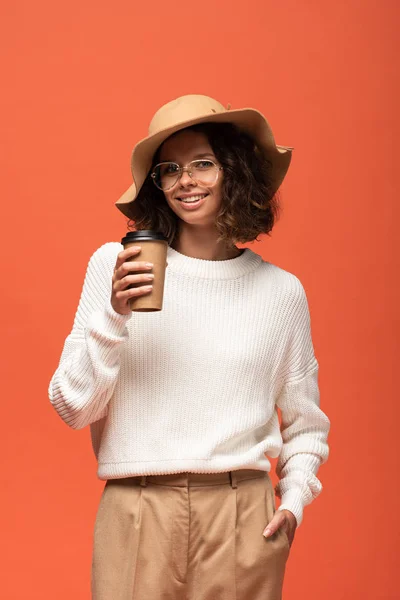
x=154, y=249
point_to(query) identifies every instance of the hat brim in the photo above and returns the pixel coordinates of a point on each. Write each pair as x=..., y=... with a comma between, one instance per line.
x=249, y=120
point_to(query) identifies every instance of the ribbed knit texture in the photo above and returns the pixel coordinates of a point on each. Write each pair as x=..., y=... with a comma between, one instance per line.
x=196, y=386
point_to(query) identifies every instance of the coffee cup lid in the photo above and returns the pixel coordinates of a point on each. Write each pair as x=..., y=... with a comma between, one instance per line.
x=143, y=235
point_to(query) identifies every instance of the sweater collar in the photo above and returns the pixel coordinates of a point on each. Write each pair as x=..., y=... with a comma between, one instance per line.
x=231, y=268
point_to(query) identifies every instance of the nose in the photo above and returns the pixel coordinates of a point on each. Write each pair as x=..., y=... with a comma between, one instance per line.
x=185, y=179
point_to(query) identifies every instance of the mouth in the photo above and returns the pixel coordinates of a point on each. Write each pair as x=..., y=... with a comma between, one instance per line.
x=193, y=201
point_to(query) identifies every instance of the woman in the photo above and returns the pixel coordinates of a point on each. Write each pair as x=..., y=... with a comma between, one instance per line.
x=182, y=403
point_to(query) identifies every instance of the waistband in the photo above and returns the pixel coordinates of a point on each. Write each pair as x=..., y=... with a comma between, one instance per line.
x=186, y=478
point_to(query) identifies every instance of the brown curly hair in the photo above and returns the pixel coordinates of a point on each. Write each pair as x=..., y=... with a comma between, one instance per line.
x=248, y=207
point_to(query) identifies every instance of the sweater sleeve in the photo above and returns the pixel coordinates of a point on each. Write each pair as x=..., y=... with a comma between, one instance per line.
x=304, y=426
x=87, y=372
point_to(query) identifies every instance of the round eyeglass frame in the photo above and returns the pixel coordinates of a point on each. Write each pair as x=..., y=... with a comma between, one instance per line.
x=181, y=169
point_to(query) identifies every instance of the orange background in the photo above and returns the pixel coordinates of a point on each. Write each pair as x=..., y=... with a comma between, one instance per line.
x=81, y=81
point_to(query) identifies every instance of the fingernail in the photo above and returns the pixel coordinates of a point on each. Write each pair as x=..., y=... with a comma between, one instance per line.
x=266, y=532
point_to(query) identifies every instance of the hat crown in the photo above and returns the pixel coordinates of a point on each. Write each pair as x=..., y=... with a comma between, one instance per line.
x=184, y=108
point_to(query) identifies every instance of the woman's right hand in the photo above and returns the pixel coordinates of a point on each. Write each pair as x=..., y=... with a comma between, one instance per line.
x=122, y=278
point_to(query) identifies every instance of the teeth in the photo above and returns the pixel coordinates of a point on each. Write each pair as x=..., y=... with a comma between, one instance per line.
x=193, y=199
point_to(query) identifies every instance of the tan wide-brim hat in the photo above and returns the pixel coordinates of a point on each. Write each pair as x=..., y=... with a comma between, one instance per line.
x=196, y=108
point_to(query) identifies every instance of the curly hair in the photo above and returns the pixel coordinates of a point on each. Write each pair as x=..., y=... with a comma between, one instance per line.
x=248, y=207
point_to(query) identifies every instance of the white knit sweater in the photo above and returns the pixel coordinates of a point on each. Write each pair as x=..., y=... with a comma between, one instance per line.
x=196, y=386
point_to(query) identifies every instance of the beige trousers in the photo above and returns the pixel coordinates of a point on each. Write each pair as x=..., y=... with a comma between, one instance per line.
x=188, y=536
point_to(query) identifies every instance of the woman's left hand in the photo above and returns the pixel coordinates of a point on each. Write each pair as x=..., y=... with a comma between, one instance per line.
x=282, y=518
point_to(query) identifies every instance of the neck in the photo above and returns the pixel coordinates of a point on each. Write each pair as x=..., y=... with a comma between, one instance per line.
x=204, y=245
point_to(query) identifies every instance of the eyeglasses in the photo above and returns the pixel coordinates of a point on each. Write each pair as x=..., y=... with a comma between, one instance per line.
x=166, y=174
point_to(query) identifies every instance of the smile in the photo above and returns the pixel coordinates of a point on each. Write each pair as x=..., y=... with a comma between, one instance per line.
x=192, y=199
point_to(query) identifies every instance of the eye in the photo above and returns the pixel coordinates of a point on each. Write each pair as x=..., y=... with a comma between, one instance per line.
x=204, y=164
x=171, y=168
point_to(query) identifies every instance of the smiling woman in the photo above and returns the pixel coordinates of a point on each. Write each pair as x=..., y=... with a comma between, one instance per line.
x=183, y=403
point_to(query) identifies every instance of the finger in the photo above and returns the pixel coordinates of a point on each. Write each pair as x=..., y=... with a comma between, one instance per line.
x=274, y=525
x=126, y=253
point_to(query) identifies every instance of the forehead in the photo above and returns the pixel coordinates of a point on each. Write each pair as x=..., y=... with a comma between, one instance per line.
x=184, y=145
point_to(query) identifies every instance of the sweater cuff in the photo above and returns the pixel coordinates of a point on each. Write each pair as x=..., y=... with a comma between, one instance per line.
x=109, y=322
x=299, y=485
x=292, y=500
x=116, y=321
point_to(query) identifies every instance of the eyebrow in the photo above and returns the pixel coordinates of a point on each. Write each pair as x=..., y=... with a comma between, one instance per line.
x=201, y=155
